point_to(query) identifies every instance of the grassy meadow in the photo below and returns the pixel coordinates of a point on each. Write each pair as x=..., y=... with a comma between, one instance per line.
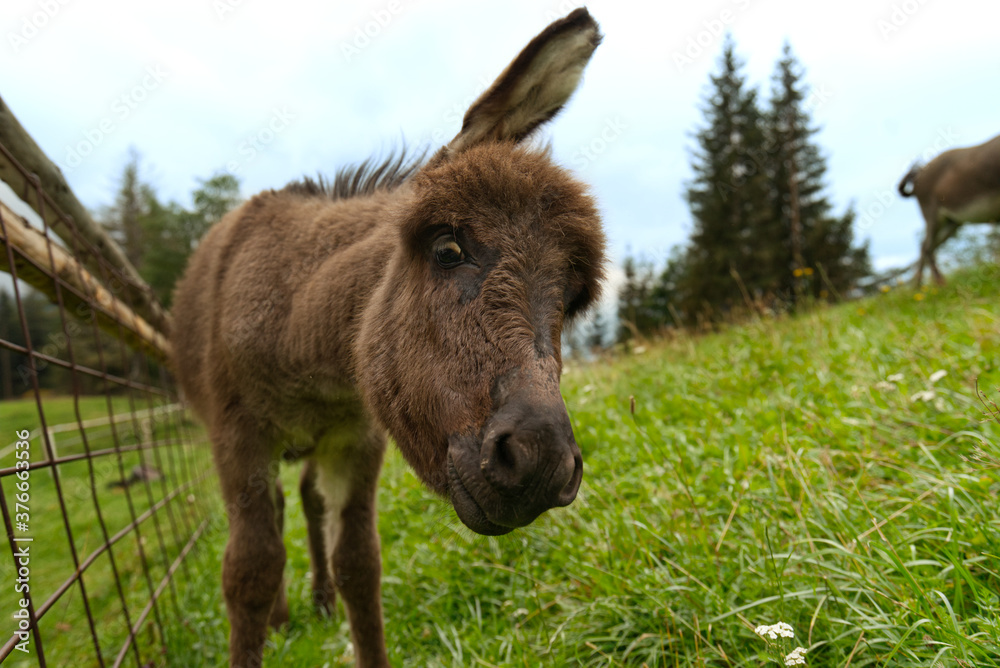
x=835, y=471
x=91, y=500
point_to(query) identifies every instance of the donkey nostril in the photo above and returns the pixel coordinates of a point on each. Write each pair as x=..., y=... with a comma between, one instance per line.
x=503, y=454
x=504, y=463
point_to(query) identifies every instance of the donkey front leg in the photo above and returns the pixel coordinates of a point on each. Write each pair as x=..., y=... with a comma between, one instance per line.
x=254, y=561
x=348, y=480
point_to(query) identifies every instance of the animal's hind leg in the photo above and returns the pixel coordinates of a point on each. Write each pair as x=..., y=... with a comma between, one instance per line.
x=348, y=481
x=926, y=247
x=945, y=232
x=254, y=560
x=918, y=277
x=323, y=591
x=279, y=613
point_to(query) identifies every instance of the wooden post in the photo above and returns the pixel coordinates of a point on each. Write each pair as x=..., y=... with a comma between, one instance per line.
x=87, y=299
x=20, y=157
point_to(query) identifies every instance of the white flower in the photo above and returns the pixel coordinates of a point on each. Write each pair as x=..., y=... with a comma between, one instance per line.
x=885, y=386
x=895, y=378
x=923, y=395
x=780, y=629
x=796, y=658
x=937, y=375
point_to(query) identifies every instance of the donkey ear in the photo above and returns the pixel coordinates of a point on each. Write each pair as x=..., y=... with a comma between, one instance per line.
x=535, y=86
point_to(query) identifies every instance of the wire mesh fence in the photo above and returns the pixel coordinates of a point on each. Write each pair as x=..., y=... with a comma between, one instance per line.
x=102, y=475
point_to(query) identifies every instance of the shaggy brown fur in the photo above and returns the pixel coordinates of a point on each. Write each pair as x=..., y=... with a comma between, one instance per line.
x=959, y=186
x=426, y=301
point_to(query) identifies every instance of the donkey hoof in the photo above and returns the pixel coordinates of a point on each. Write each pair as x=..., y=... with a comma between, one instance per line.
x=324, y=601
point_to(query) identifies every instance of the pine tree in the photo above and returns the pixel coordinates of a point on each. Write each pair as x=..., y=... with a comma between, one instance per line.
x=168, y=249
x=763, y=227
x=174, y=232
x=636, y=314
x=213, y=199
x=810, y=251
x=669, y=289
x=158, y=237
x=728, y=195
x=124, y=218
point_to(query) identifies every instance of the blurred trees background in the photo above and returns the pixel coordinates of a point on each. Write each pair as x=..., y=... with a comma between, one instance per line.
x=765, y=235
x=157, y=238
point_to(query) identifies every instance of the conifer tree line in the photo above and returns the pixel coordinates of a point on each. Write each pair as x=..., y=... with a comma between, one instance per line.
x=764, y=232
x=157, y=238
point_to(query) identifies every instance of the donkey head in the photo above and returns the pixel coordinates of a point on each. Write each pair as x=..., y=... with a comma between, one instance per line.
x=459, y=354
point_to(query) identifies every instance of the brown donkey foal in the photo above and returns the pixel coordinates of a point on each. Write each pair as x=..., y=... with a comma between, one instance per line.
x=421, y=301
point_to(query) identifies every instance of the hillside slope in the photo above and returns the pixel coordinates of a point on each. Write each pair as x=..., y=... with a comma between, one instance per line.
x=833, y=471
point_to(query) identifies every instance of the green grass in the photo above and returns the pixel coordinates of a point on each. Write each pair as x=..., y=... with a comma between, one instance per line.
x=65, y=631
x=772, y=472
x=23, y=413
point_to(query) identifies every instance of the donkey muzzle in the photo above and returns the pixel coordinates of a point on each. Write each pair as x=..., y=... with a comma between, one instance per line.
x=526, y=462
x=525, y=453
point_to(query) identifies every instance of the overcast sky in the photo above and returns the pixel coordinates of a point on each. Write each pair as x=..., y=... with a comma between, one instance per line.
x=273, y=91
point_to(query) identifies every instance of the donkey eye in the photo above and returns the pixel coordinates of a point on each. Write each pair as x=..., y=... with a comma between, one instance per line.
x=447, y=252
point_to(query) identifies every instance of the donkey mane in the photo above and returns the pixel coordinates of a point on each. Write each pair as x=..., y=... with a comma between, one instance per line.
x=361, y=179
